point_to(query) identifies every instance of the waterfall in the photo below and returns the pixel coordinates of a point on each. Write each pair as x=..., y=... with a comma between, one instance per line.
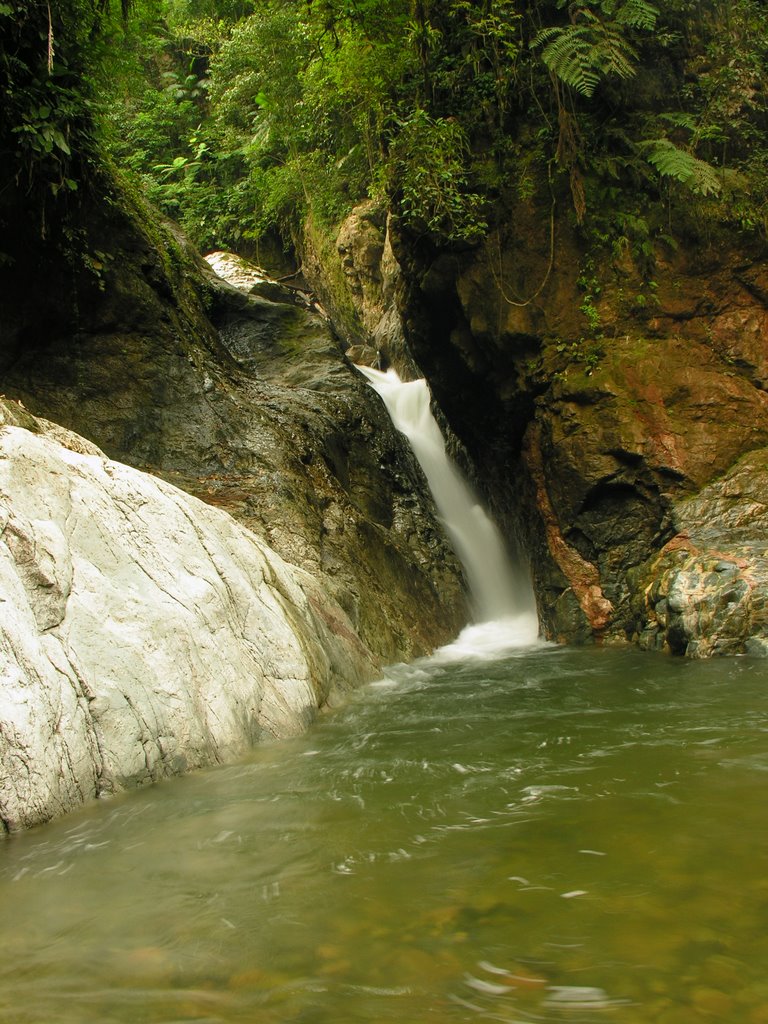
x=498, y=593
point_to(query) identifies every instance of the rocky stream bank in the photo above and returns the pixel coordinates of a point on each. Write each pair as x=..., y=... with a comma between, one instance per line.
x=242, y=537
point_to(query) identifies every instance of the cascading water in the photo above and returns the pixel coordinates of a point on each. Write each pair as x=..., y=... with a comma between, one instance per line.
x=499, y=594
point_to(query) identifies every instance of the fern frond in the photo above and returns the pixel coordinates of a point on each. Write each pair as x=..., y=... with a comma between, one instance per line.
x=637, y=14
x=672, y=162
x=582, y=55
x=568, y=56
x=616, y=55
x=679, y=120
x=545, y=34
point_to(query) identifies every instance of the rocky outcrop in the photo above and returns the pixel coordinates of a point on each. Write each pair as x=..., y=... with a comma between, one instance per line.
x=593, y=406
x=143, y=632
x=284, y=549
x=612, y=404
x=624, y=445
x=245, y=399
x=358, y=278
x=706, y=591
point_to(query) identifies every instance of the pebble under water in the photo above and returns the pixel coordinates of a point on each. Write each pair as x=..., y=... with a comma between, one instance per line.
x=542, y=834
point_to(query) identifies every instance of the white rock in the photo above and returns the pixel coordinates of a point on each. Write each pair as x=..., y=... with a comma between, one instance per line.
x=142, y=632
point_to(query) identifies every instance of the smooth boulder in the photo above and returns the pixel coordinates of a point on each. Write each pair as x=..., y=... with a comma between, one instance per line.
x=143, y=632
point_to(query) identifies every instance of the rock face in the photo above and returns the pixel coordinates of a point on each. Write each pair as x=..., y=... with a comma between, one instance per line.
x=706, y=591
x=612, y=414
x=358, y=280
x=596, y=409
x=244, y=398
x=142, y=633
x=621, y=448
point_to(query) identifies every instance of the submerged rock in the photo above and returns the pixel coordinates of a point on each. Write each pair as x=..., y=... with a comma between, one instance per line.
x=143, y=632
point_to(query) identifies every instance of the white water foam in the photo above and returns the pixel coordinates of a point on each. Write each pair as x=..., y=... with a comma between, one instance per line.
x=502, y=597
x=488, y=641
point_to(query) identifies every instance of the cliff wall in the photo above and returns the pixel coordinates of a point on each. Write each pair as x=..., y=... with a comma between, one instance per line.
x=604, y=414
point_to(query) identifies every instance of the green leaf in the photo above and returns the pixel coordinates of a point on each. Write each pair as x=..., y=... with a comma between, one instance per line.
x=679, y=119
x=637, y=14
x=672, y=162
x=61, y=142
x=583, y=54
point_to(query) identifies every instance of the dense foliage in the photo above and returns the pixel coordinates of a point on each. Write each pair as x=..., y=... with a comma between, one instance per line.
x=51, y=57
x=242, y=116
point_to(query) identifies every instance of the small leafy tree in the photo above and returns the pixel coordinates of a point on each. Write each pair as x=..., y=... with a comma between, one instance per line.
x=430, y=161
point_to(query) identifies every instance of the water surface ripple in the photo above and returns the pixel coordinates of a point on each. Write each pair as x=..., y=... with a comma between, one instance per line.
x=539, y=834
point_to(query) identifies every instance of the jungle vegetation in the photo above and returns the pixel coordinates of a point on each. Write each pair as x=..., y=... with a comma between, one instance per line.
x=240, y=118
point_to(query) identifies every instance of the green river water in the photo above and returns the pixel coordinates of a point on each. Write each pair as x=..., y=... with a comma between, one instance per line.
x=545, y=834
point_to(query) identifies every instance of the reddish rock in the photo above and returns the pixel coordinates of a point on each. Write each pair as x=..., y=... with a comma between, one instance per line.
x=592, y=402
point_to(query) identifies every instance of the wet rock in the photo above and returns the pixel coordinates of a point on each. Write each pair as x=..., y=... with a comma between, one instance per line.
x=621, y=445
x=254, y=409
x=587, y=419
x=706, y=592
x=143, y=632
x=365, y=355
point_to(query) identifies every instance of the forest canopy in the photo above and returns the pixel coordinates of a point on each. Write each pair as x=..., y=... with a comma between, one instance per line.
x=242, y=117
